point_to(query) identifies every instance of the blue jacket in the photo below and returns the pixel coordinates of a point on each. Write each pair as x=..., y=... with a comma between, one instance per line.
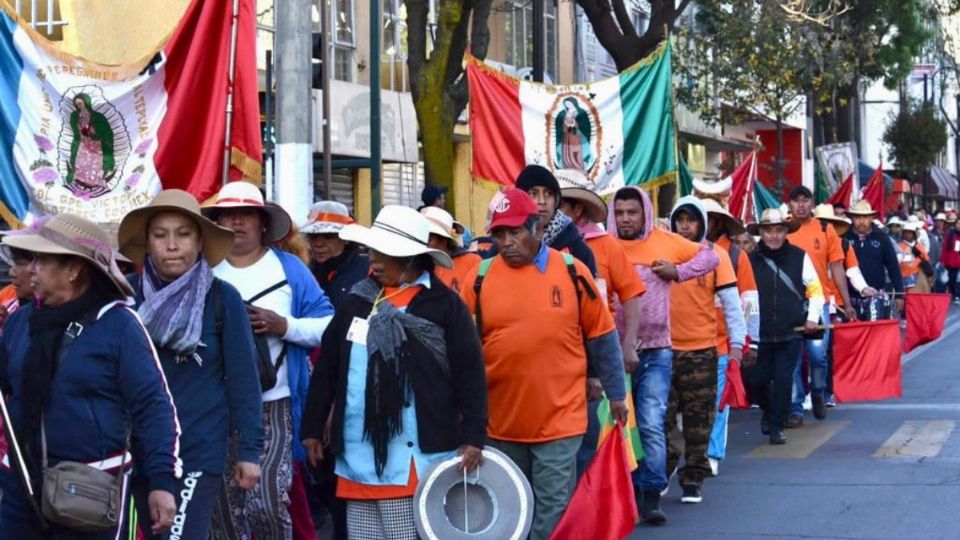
x=878, y=260
x=109, y=377
x=220, y=396
x=308, y=301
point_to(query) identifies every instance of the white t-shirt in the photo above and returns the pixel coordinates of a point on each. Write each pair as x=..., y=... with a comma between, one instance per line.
x=250, y=281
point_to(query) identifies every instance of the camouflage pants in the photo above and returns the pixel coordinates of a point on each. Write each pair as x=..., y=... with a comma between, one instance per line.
x=693, y=394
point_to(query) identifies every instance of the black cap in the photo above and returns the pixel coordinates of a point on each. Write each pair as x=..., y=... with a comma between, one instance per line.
x=535, y=175
x=800, y=190
x=430, y=194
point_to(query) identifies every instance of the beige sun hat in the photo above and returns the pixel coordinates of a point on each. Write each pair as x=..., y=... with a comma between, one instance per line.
x=913, y=226
x=732, y=224
x=398, y=231
x=717, y=187
x=441, y=222
x=67, y=234
x=862, y=208
x=243, y=194
x=825, y=212
x=769, y=217
x=132, y=235
x=576, y=186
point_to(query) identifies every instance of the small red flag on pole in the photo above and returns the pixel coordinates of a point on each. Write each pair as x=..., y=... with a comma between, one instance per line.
x=602, y=507
x=866, y=361
x=926, y=315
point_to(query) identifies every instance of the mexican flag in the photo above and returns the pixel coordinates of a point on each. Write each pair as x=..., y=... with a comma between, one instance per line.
x=618, y=131
x=100, y=140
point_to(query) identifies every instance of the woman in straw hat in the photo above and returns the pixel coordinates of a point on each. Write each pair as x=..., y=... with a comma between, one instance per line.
x=401, y=368
x=288, y=313
x=200, y=329
x=915, y=266
x=85, y=398
x=336, y=264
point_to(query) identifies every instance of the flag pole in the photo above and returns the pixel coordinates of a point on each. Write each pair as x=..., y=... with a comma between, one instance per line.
x=231, y=71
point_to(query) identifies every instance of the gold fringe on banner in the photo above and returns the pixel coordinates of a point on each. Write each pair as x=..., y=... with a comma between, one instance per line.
x=251, y=168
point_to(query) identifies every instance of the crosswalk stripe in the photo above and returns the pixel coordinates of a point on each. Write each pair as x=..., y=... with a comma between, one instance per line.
x=800, y=442
x=917, y=438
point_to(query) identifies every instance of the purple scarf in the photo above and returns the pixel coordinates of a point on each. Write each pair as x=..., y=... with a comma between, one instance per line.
x=173, y=312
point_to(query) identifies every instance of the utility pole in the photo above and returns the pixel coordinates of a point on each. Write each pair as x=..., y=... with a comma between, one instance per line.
x=376, y=169
x=538, y=40
x=294, y=152
x=327, y=66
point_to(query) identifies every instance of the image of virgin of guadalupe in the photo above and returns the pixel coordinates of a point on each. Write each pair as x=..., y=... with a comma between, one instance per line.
x=91, y=164
x=572, y=134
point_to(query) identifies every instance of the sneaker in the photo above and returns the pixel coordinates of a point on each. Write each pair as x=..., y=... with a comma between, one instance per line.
x=714, y=466
x=830, y=402
x=777, y=438
x=794, y=421
x=650, y=510
x=807, y=403
x=691, y=494
x=819, y=408
x=666, y=489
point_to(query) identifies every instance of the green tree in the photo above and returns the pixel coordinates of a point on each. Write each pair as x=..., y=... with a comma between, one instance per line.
x=743, y=59
x=437, y=81
x=916, y=137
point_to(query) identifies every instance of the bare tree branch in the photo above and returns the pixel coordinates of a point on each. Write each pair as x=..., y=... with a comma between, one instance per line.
x=623, y=18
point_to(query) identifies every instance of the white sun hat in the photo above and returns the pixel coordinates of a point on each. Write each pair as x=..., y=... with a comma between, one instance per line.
x=327, y=217
x=441, y=222
x=398, y=231
x=243, y=194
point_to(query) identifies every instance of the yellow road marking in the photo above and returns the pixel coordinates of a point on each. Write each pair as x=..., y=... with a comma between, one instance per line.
x=800, y=442
x=917, y=438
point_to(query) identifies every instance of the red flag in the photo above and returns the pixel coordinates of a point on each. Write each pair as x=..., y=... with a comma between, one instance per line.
x=741, y=204
x=844, y=193
x=191, y=138
x=873, y=192
x=734, y=393
x=926, y=315
x=602, y=507
x=866, y=361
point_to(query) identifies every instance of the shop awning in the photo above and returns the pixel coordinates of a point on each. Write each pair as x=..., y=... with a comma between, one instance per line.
x=943, y=183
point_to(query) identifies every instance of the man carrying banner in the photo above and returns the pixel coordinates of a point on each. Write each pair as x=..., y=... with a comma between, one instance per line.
x=822, y=244
x=878, y=263
x=786, y=278
x=721, y=227
x=660, y=258
x=693, y=388
x=536, y=353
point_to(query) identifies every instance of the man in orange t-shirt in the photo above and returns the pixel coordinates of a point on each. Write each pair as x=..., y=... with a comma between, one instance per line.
x=721, y=228
x=443, y=233
x=536, y=348
x=693, y=331
x=820, y=241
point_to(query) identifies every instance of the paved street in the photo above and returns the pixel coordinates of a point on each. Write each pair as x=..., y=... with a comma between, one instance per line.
x=882, y=470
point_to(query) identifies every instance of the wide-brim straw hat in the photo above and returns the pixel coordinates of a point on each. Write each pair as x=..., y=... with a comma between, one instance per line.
x=825, y=212
x=242, y=194
x=441, y=222
x=732, y=224
x=862, y=208
x=576, y=186
x=327, y=217
x=67, y=234
x=713, y=188
x=132, y=235
x=770, y=217
x=913, y=226
x=398, y=231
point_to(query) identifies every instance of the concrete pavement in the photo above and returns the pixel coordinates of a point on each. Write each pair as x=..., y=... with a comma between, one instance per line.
x=883, y=470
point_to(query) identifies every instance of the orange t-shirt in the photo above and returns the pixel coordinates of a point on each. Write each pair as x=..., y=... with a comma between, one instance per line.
x=620, y=280
x=694, y=323
x=348, y=489
x=533, y=334
x=910, y=265
x=823, y=247
x=745, y=283
x=462, y=266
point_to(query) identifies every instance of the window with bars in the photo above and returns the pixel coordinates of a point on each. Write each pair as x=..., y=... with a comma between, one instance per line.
x=518, y=32
x=42, y=15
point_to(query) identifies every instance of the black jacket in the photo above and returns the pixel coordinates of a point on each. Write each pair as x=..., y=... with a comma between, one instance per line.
x=780, y=309
x=451, y=409
x=338, y=275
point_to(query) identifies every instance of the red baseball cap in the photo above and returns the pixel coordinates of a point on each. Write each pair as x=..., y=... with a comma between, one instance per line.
x=512, y=208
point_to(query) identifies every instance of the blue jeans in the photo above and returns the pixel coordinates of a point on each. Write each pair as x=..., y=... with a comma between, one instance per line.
x=816, y=351
x=718, y=437
x=651, y=391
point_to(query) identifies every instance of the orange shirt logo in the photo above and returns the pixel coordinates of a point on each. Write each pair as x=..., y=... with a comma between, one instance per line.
x=556, y=299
